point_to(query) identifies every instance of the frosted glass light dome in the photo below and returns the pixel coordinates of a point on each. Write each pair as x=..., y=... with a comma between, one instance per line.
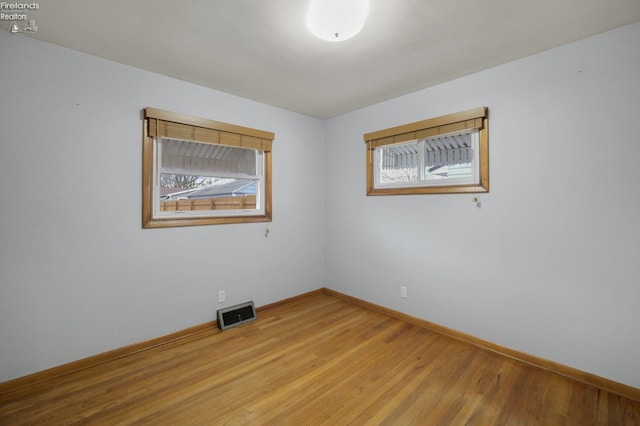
x=336, y=20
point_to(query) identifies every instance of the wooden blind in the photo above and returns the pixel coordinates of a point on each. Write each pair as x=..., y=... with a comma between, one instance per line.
x=452, y=123
x=176, y=126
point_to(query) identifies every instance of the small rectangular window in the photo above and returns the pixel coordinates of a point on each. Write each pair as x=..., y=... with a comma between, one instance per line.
x=434, y=161
x=198, y=172
x=447, y=154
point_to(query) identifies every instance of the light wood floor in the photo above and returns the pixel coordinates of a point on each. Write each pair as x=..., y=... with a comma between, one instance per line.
x=316, y=360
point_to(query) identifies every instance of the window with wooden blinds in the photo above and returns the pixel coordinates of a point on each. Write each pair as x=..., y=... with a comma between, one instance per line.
x=203, y=172
x=448, y=154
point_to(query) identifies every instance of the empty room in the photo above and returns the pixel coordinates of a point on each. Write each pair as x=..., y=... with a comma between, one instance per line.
x=320, y=212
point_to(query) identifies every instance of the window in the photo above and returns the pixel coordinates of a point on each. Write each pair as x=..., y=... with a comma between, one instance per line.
x=203, y=172
x=448, y=154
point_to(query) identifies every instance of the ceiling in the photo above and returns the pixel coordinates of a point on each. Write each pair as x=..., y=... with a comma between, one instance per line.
x=262, y=50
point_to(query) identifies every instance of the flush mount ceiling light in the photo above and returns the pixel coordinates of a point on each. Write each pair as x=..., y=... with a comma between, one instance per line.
x=336, y=20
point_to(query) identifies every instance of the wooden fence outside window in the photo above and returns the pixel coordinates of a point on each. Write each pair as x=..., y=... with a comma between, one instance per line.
x=216, y=203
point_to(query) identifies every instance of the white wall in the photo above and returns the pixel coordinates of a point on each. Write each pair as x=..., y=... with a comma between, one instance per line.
x=550, y=263
x=78, y=274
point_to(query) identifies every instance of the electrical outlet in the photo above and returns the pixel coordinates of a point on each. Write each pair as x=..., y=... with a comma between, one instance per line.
x=403, y=291
x=222, y=296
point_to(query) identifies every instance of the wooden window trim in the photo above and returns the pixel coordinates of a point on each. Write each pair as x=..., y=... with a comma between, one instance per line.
x=172, y=125
x=476, y=118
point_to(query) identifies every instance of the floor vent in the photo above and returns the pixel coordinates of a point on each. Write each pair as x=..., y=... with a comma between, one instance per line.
x=236, y=315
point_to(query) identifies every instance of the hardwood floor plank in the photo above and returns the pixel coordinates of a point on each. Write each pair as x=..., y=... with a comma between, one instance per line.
x=387, y=378
x=316, y=360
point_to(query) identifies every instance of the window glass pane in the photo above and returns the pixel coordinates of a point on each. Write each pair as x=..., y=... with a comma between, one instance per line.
x=399, y=163
x=206, y=193
x=426, y=162
x=449, y=156
x=197, y=177
x=463, y=170
x=448, y=150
